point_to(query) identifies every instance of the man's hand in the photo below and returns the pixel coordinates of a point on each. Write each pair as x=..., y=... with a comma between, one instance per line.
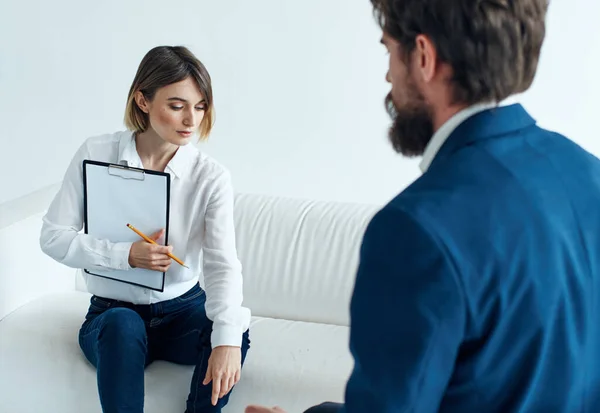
x=262, y=409
x=224, y=369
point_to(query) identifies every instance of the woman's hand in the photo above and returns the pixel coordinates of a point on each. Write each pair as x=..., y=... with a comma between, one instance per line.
x=262, y=409
x=153, y=257
x=224, y=369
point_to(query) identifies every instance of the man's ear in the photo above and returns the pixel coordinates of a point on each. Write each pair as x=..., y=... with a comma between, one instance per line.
x=425, y=54
x=141, y=101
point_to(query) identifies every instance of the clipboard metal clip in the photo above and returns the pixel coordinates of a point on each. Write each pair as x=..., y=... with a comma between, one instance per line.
x=126, y=172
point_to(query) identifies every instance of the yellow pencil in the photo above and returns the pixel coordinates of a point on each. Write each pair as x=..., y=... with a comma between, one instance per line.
x=141, y=234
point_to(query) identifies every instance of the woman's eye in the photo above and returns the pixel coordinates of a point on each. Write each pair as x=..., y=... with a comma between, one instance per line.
x=176, y=107
x=200, y=108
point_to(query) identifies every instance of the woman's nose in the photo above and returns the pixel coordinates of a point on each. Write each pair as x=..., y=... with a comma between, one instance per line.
x=189, y=119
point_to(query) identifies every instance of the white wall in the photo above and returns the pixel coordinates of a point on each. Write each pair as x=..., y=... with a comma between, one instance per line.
x=298, y=85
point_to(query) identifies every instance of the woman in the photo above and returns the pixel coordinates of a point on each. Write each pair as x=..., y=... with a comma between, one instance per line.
x=127, y=327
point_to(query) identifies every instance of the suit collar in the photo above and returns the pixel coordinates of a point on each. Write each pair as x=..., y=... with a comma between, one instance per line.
x=486, y=124
x=442, y=134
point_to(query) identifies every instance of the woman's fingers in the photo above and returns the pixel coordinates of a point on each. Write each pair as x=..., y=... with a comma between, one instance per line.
x=227, y=385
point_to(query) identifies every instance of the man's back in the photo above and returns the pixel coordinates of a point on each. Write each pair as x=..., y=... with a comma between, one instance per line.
x=498, y=246
x=477, y=286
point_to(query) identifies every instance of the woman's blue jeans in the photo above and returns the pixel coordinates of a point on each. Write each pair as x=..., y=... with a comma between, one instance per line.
x=120, y=339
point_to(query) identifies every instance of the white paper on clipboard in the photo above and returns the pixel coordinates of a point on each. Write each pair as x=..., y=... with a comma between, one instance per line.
x=116, y=195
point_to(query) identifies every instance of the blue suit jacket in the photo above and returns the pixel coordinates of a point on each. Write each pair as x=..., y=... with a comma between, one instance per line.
x=478, y=288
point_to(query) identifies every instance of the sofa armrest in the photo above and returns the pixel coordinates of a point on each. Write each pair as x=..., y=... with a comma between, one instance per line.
x=26, y=273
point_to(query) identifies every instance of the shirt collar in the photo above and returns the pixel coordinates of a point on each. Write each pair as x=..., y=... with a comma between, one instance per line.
x=177, y=165
x=440, y=136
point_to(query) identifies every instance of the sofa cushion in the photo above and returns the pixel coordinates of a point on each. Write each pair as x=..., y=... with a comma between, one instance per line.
x=290, y=363
x=299, y=256
x=27, y=272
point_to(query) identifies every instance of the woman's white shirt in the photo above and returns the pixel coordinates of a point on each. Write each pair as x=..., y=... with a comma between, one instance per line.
x=201, y=231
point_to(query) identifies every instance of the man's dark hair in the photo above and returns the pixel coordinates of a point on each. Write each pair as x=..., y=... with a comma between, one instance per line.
x=493, y=46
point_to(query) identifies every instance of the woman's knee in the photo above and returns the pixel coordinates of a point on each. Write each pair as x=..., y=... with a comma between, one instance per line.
x=122, y=324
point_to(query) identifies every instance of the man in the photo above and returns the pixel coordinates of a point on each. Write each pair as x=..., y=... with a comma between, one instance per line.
x=478, y=288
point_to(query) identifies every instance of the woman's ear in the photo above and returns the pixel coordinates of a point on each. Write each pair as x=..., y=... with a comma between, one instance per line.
x=141, y=101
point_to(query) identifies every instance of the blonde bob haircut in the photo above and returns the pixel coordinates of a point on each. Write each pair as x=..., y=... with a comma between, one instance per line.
x=162, y=66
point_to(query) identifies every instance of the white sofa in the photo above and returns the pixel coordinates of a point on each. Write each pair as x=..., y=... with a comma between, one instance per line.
x=299, y=259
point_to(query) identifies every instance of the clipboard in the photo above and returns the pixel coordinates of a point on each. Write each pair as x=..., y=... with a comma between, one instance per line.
x=115, y=195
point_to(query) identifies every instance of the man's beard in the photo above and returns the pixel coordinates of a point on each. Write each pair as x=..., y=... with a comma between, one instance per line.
x=412, y=126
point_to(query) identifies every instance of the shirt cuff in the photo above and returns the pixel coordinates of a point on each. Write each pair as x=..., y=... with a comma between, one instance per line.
x=119, y=257
x=226, y=335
